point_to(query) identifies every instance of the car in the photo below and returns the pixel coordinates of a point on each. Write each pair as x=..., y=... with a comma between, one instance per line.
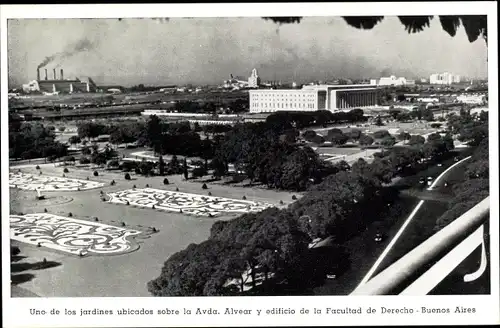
x=422, y=180
x=379, y=237
x=439, y=165
x=429, y=178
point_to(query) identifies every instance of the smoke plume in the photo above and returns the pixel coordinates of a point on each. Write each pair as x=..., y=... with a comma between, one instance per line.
x=71, y=50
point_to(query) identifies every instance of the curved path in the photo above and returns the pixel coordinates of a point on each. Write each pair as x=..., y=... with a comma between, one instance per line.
x=395, y=239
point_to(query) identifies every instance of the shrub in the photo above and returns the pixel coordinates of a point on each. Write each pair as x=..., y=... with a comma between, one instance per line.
x=294, y=197
x=113, y=182
x=209, y=193
x=88, y=178
x=176, y=188
x=66, y=170
x=64, y=175
x=244, y=197
x=147, y=185
x=96, y=173
x=70, y=214
x=381, y=134
x=69, y=159
x=123, y=224
x=134, y=186
x=84, y=160
x=281, y=202
x=137, y=170
x=45, y=210
x=14, y=250
x=165, y=181
x=38, y=167
x=113, y=163
x=96, y=219
x=127, y=176
x=204, y=186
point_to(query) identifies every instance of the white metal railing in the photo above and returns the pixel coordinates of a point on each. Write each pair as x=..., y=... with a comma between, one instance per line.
x=464, y=235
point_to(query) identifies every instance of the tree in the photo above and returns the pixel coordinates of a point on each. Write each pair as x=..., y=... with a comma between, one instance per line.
x=297, y=170
x=395, y=112
x=416, y=140
x=433, y=137
x=354, y=134
x=309, y=135
x=403, y=117
x=161, y=165
x=365, y=140
x=317, y=139
x=378, y=121
x=334, y=132
x=74, y=140
x=187, y=272
x=154, y=132
x=339, y=139
x=199, y=172
x=381, y=134
x=388, y=141
x=146, y=168
x=185, y=169
x=404, y=136
x=219, y=167
x=474, y=25
x=427, y=114
x=197, y=127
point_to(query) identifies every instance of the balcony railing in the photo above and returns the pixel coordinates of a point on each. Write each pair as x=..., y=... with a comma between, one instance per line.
x=423, y=268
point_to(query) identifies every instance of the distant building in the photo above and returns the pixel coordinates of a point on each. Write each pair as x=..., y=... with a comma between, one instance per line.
x=472, y=99
x=392, y=81
x=444, y=78
x=254, y=79
x=313, y=98
x=55, y=85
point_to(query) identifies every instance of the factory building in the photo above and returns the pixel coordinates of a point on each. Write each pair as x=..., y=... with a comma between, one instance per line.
x=60, y=85
x=313, y=98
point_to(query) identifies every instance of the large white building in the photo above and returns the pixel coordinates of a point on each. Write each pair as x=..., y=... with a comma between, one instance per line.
x=444, y=78
x=313, y=98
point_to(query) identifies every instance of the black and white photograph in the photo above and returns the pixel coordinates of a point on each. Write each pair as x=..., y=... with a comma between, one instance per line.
x=249, y=156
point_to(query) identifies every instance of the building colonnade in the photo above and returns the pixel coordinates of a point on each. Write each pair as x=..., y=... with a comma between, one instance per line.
x=355, y=99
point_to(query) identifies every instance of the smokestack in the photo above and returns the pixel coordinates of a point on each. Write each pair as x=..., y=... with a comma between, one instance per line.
x=38, y=74
x=62, y=75
x=54, y=70
x=46, y=77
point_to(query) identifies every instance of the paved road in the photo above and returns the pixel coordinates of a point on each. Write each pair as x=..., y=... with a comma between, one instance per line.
x=414, y=230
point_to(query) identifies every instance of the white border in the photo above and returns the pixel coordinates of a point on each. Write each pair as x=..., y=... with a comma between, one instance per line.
x=16, y=311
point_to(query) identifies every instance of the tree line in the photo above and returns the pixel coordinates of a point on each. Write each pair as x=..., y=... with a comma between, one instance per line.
x=34, y=140
x=274, y=242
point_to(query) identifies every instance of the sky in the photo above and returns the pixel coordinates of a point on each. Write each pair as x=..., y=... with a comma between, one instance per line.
x=208, y=50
